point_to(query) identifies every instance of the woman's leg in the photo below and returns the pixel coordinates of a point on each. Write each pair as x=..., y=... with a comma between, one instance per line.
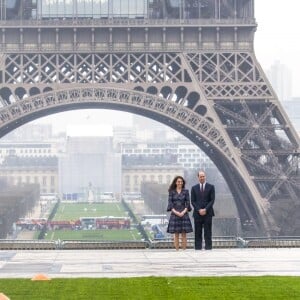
x=183, y=240
x=176, y=241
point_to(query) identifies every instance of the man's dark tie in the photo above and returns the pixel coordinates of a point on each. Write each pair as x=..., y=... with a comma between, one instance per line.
x=202, y=188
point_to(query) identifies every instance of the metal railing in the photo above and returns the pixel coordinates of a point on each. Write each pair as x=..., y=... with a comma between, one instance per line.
x=218, y=243
x=27, y=245
x=121, y=47
x=72, y=245
x=274, y=242
x=83, y=22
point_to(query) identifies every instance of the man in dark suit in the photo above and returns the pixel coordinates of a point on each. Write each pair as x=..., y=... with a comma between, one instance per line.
x=202, y=199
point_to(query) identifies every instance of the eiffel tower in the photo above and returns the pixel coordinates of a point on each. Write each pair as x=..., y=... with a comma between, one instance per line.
x=189, y=64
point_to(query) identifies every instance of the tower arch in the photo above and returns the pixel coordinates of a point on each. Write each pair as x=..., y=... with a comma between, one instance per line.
x=195, y=127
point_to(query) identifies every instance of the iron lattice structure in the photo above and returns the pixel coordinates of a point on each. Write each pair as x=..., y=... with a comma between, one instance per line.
x=199, y=76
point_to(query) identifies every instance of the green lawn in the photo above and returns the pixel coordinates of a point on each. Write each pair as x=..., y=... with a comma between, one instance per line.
x=70, y=211
x=179, y=288
x=99, y=235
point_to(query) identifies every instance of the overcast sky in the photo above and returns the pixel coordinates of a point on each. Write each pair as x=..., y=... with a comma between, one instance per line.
x=277, y=38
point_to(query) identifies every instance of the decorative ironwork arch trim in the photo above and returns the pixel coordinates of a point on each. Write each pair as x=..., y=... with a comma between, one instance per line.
x=31, y=108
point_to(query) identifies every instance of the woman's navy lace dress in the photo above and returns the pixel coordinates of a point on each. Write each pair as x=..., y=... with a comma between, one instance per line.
x=179, y=201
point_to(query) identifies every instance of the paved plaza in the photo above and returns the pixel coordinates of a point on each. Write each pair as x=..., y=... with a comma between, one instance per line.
x=149, y=262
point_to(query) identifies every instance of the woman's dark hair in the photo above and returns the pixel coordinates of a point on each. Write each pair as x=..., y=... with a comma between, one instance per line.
x=173, y=185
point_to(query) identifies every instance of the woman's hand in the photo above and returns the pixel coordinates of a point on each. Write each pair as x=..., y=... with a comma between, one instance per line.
x=180, y=214
x=177, y=213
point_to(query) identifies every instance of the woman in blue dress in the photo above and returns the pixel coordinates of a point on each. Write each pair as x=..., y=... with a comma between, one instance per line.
x=179, y=206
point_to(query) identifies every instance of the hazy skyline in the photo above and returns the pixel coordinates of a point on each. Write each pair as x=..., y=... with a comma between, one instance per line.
x=277, y=38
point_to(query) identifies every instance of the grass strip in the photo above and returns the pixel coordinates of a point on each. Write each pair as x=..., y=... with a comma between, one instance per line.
x=241, y=288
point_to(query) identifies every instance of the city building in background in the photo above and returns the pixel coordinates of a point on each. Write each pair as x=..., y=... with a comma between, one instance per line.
x=133, y=176
x=281, y=79
x=123, y=134
x=30, y=132
x=30, y=162
x=42, y=171
x=182, y=152
x=292, y=108
x=90, y=166
x=149, y=130
x=28, y=149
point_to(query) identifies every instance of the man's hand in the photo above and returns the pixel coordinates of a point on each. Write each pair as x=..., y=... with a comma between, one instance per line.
x=202, y=212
